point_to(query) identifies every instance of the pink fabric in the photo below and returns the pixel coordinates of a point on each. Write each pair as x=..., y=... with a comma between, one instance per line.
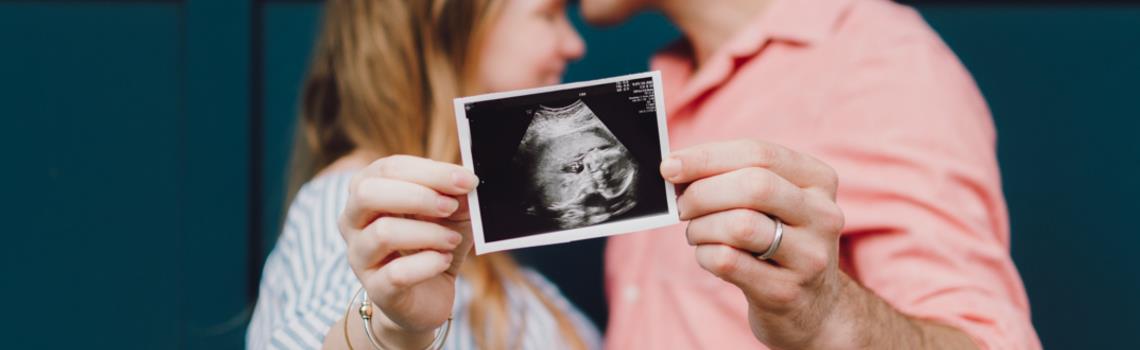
x=868, y=87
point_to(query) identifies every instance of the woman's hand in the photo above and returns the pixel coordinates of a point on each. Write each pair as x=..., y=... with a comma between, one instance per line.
x=407, y=230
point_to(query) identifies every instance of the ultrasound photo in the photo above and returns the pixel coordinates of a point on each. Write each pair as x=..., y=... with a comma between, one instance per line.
x=566, y=162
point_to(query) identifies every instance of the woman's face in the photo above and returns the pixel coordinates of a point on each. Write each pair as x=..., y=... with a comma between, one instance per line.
x=528, y=45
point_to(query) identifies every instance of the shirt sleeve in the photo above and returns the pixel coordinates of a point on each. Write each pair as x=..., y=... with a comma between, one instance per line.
x=306, y=284
x=927, y=228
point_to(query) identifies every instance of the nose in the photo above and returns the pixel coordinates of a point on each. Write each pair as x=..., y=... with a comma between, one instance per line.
x=573, y=47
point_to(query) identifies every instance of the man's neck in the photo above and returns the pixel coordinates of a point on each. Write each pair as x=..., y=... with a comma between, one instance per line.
x=709, y=24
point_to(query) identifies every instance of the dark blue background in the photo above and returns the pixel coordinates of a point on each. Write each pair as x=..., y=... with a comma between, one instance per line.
x=145, y=146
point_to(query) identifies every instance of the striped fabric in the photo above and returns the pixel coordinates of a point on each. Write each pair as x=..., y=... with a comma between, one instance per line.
x=307, y=284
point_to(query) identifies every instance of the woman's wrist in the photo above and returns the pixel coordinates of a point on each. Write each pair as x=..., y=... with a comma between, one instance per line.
x=394, y=337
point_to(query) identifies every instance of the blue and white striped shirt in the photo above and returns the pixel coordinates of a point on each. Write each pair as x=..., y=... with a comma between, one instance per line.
x=307, y=284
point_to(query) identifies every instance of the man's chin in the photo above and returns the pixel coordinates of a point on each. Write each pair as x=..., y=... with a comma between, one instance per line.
x=608, y=12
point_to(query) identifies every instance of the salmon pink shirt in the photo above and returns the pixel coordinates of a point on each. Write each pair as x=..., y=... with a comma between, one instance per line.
x=869, y=88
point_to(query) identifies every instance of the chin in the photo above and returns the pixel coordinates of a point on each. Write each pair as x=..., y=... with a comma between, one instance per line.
x=608, y=12
x=539, y=80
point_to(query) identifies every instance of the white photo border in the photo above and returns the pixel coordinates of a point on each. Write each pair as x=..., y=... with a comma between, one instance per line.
x=562, y=236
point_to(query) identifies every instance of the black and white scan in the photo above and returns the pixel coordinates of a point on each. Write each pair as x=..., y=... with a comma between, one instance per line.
x=566, y=163
x=578, y=172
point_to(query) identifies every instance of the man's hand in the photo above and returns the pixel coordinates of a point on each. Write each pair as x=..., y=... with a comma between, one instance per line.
x=798, y=299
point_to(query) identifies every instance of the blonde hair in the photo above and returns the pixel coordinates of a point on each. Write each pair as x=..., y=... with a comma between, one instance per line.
x=381, y=79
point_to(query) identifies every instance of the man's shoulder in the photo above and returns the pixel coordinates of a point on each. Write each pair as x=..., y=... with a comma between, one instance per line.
x=883, y=23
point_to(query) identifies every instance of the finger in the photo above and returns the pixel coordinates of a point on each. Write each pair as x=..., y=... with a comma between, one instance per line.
x=390, y=234
x=409, y=270
x=443, y=177
x=754, y=233
x=742, y=229
x=465, y=247
x=741, y=269
x=374, y=196
x=749, y=188
x=693, y=163
x=463, y=212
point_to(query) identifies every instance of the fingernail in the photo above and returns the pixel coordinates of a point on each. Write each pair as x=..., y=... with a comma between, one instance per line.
x=454, y=239
x=447, y=205
x=671, y=168
x=464, y=180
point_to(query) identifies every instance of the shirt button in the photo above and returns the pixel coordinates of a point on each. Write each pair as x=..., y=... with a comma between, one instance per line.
x=630, y=293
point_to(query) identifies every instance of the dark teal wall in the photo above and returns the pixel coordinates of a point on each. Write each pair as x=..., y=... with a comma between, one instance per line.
x=1064, y=87
x=148, y=142
x=126, y=202
x=75, y=184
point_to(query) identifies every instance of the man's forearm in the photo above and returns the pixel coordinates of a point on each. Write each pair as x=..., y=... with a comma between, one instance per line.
x=870, y=323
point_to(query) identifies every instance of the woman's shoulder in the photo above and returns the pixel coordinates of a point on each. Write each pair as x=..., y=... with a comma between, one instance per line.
x=309, y=231
x=323, y=194
x=328, y=190
x=326, y=182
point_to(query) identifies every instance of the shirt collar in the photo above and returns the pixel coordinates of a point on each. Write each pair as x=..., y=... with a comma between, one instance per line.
x=805, y=22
